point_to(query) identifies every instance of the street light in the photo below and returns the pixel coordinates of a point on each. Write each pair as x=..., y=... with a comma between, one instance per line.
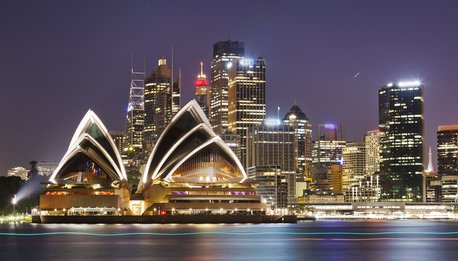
x=14, y=201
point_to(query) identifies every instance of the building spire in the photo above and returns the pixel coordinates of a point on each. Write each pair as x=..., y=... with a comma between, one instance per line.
x=430, y=161
x=201, y=68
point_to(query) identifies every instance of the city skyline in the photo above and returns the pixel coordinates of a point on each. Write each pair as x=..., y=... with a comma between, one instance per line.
x=59, y=65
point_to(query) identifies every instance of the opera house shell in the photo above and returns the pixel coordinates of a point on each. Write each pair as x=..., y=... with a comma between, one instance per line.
x=192, y=171
x=90, y=179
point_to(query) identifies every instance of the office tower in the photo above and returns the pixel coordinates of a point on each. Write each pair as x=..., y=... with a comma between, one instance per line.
x=335, y=177
x=232, y=140
x=447, y=162
x=119, y=138
x=135, y=116
x=326, y=152
x=401, y=147
x=449, y=189
x=272, y=185
x=273, y=146
x=372, y=143
x=162, y=101
x=297, y=119
x=224, y=53
x=447, y=150
x=247, y=98
x=354, y=169
x=202, y=90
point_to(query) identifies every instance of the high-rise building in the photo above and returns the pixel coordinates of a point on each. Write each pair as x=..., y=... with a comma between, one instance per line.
x=447, y=150
x=162, y=101
x=272, y=185
x=274, y=145
x=401, y=147
x=202, y=91
x=135, y=116
x=224, y=53
x=372, y=143
x=297, y=119
x=119, y=138
x=247, y=99
x=327, y=150
x=232, y=140
x=447, y=162
x=354, y=169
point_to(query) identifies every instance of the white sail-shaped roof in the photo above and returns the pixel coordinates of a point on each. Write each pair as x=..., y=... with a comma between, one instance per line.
x=190, y=136
x=92, y=139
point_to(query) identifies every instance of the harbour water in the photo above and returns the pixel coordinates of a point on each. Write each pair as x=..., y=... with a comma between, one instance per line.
x=310, y=240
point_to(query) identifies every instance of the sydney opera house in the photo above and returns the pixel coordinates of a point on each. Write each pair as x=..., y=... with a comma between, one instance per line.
x=191, y=171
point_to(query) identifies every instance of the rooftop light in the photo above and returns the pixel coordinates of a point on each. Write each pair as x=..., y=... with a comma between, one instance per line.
x=409, y=84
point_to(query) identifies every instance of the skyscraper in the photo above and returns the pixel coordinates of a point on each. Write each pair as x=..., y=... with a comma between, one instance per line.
x=272, y=146
x=247, y=98
x=372, y=142
x=297, y=119
x=135, y=116
x=447, y=162
x=223, y=53
x=354, y=169
x=202, y=91
x=401, y=147
x=162, y=101
x=447, y=150
x=327, y=151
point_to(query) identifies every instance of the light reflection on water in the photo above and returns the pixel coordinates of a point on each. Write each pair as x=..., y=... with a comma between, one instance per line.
x=223, y=246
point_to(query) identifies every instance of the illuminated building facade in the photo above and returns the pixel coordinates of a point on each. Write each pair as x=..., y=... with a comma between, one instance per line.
x=191, y=170
x=447, y=150
x=90, y=179
x=119, y=138
x=162, y=101
x=447, y=161
x=202, y=91
x=354, y=168
x=272, y=185
x=372, y=143
x=326, y=152
x=232, y=141
x=297, y=119
x=133, y=144
x=401, y=147
x=247, y=99
x=45, y=168
x=18, y=172
x=224, y=52
x=274, y=145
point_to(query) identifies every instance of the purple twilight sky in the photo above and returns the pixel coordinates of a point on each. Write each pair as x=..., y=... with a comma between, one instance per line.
x=60, y=58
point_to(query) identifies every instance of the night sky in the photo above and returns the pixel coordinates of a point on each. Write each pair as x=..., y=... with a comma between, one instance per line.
x=60, y=58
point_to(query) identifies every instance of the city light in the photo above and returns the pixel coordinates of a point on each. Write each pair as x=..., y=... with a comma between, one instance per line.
x=14, y=201
x=246, y=62
x=415, y=83
x=229, y=65
x=272, y=122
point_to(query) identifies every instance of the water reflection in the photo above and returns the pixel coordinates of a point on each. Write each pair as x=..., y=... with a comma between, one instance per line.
x=322, y=240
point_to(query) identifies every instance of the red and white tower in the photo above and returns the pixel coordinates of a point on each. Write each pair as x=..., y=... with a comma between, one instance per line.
x=202, y=90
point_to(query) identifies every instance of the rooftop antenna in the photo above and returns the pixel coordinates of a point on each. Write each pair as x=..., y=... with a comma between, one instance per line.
x=171, y=84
